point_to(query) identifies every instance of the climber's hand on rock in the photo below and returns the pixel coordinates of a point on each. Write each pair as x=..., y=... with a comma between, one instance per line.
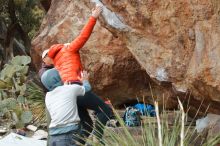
x=97, y=11
x=85, y=75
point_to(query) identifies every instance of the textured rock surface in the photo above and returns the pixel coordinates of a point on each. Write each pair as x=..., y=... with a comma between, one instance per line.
x=174, y=45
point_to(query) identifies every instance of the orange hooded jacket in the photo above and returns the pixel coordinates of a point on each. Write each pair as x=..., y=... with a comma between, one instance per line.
x=66, y=58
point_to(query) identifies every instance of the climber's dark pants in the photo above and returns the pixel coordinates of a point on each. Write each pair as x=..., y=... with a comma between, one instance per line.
x=104, y=112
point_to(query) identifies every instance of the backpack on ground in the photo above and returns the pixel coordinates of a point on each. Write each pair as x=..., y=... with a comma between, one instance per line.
x=132, y=117
x=146, y=109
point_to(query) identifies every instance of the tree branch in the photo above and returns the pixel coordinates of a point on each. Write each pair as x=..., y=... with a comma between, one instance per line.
x=18, y=28
x=46, y=4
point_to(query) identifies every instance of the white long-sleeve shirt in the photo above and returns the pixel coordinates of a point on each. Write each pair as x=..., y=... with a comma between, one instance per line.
x=62, y=106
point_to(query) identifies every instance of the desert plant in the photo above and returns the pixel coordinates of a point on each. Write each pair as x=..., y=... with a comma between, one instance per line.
x=156, y=133
x=13, y=88
x=35, y=96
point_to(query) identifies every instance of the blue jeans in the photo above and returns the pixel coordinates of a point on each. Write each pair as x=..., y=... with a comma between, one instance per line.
x=66, y=139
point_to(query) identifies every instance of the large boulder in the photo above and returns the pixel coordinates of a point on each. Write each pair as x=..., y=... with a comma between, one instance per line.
x=159, y=49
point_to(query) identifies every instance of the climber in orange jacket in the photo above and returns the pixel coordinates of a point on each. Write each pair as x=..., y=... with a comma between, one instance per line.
x=66, y=57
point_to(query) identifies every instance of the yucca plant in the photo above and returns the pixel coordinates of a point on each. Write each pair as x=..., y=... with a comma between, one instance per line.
x=35, y=96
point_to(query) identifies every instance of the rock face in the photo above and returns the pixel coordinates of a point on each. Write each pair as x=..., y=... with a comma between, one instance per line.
x=172, y=45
